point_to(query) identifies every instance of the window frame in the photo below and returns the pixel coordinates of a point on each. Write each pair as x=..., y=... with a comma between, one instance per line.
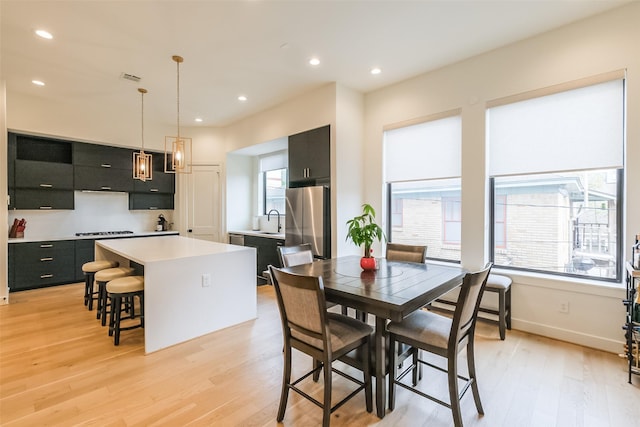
x=264, y=187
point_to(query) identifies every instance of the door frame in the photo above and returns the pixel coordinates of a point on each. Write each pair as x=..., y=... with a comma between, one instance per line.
x=182, y=214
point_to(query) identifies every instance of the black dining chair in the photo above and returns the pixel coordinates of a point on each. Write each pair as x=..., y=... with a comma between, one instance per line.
x=308, y=327
x=445, y=337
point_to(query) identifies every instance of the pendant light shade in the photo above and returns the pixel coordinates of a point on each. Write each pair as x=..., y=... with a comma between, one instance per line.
x=177, y=149
x=142, y=169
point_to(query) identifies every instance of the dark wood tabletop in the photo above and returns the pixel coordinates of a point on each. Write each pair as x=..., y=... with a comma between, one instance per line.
x=392, y=292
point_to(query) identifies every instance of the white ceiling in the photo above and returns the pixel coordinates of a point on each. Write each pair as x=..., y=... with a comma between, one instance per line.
x=259, y=48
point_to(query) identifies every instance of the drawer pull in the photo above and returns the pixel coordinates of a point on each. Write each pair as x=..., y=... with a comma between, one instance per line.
x=46, y=185
x=105, y=165
x=153, y=207
x=45, y=207
x=46, y=276
x=154, y=190
x=105, y=188
x=46, y=245
x=46, y=259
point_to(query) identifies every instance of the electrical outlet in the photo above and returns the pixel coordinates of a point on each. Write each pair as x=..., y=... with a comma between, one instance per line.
x=564, y=307
x=206, y=280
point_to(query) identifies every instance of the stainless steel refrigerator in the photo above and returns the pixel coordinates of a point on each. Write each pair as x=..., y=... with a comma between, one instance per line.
x=308, y=219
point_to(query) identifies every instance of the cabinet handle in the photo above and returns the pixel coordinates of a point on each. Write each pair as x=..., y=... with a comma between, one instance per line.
x=105, y=188
x=154, y=190
x=46, y=259
x=105, y=165
x=46, y=245
x=153, y=207
x=46, y=185
x=46, y=276
x=45, y=207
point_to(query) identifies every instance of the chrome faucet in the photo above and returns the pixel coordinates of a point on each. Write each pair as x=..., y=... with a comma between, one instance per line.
x=269, y=218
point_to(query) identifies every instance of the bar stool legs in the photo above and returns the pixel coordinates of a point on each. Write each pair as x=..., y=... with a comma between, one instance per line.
x=102, y=277
x=90, y=269
x=123, y=292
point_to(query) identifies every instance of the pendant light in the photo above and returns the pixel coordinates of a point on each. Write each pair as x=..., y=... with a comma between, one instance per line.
x=142, y=169
x=177, y=149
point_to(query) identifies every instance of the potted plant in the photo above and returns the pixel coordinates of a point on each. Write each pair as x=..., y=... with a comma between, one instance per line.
x=362, y=231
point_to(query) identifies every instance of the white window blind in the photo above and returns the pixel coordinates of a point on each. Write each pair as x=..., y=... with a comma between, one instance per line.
x=423, y=151
x=273, y=161
x=573, y=130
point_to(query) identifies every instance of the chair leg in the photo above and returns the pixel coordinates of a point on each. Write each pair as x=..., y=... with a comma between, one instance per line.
x=103, y=301
x=86, y=289
x=116, y=309
x=316, y=371
x=471, y=364
x=502, y=325
x=326, y=410
x=286, y=380
x=508, y=307
x=453, y=388
x=393, y=372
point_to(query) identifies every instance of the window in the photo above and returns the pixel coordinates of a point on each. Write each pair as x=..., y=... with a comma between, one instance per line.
x=273, y=181
x=556, y=165
x=422, y=171
x=275, y=185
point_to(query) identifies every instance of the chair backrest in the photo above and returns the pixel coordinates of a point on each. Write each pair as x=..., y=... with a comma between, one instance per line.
x=407, y=253
x=303, y=309
x=290, y=256
x=466, y=313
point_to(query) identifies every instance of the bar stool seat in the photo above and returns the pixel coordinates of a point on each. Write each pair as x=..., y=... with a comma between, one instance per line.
x=102, y=277
x=90, y=269
x=124, y=289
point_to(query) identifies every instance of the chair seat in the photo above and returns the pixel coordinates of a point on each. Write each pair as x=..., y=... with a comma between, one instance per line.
x=124, y=285
x=496, y=282
x=113, y=273
x=344, y=331
x=95, y=266
x=424, y=326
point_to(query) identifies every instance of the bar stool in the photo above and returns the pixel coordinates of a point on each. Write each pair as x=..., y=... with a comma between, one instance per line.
x=102, y=277
x=124, y=289
x=89, y=269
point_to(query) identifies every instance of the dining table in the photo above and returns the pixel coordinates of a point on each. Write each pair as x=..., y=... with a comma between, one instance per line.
x=391, y=292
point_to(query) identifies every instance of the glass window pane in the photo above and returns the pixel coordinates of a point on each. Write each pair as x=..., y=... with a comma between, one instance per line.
x=275, y=183
x=427, y=213
x=558, y=222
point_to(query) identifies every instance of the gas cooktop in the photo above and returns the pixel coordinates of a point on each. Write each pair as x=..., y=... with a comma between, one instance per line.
x=104, y=233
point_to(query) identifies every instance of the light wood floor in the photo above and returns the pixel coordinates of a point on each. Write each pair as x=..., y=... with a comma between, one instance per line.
x=59, y=367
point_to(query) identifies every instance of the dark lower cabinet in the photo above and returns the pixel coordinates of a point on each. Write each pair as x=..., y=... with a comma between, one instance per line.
x=40, y=264
x=266, y=251
x=85, y=252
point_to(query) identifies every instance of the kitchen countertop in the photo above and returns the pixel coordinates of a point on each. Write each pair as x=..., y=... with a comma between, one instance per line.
x=98, y=237
x=269, y=235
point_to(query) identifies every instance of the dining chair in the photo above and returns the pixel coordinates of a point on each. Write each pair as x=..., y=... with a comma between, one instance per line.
x=445, y=337
x=407, y=253
x=291, y=256
x=308, y=327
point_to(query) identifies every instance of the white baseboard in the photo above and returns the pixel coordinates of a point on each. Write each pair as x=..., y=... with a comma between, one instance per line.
x=592, y=341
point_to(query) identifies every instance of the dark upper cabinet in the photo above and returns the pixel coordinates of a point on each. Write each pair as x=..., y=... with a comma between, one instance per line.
x=309, y=157
x=103, y=179
x=40, y=173
x=43, y=175
x=102, y=156
x=160, y=183
x=150, y=201
x=33, y=198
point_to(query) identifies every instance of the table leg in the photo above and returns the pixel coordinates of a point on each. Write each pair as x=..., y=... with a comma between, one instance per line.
x=381, y=356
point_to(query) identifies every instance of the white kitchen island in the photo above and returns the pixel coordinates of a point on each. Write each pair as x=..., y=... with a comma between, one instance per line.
x=191, y=287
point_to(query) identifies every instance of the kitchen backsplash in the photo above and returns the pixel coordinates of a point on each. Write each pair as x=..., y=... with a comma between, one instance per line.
x=93, y=212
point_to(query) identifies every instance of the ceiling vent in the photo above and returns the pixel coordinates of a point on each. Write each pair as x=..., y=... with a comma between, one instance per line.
x=130, y=77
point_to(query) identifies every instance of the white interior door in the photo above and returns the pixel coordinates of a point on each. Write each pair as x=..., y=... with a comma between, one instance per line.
x=203, y=203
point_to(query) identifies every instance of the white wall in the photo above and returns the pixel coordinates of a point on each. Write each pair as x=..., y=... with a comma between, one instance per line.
x=597, y=45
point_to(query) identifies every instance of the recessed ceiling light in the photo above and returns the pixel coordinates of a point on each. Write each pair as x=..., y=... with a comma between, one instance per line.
x=44, y=34
x=198, y=119
x=37, y=82
x=242, y=98
x=314, y=61
x=375, y=70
